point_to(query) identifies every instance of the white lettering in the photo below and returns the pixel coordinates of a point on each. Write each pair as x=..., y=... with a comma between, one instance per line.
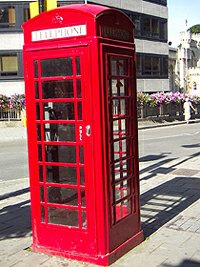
x=48, y=34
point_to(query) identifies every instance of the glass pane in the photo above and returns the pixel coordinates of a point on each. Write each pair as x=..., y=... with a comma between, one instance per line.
x=84, y=219
x=155, y=27
x=57, y=89
x=57, y=67
x=58, y=111
x=39, y=153
x=8, y=65
x=118, y=87
x=83, y=198
x=120, y=170
x=119, y=67
x=63, y=217
x=41, y=173
x=38, y=132
x=116, y=150
x=122, y=190
x=61, y=175
x=26, y=14
x=67, y=196
x=122, y=209
x=36, y=90
x=7, y=17
x=126, y=207
x=59, y=132
x=37, y=111
x=82, y=176
x=65, y=154
x=36, y=69
x=41, y=193
x=42, y=214
x=80, y=110
x=79, y=90
x=81, y=155
x=78, y=69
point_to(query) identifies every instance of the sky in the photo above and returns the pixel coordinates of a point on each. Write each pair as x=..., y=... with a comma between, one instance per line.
x=178, y=12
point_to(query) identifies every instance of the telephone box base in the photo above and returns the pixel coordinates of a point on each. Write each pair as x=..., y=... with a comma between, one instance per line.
x=102, y=260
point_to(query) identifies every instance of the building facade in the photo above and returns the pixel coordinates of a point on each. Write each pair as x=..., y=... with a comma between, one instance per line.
x=150, y=19
x=185, y=64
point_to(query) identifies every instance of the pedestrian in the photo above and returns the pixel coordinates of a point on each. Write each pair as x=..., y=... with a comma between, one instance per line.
x=187, y=109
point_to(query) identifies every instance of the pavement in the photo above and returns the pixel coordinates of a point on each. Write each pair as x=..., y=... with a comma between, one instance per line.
x=170, y=215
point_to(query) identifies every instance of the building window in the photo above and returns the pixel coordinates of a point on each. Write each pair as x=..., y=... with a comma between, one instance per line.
x=159, y=2
x=7, y=17
x=11, y=65
x=136, y=19
x=154, y=28
x=149, y=27
x=12, y=16
x=152, y=66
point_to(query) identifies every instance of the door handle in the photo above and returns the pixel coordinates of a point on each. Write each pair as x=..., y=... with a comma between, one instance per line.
x=88, y=130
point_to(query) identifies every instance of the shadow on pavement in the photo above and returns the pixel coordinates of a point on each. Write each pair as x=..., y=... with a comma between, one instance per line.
x=162, y=203
x=15, y=218
x=15, y=193
x=185, y=263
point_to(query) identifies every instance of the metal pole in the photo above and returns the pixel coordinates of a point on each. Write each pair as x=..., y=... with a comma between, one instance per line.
x=41, y=5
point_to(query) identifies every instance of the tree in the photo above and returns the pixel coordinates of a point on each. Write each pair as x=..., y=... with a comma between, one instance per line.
x=195, y=29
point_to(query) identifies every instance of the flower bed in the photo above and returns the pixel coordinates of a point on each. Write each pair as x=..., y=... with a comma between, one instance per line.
x=14, y=102
x=164, y=104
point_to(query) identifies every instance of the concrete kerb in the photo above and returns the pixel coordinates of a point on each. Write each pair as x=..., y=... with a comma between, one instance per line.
x=148, y=124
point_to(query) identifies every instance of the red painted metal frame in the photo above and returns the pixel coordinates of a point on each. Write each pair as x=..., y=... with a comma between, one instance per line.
x=109, y=36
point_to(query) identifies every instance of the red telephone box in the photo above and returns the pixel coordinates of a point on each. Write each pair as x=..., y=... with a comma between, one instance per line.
x=79, y=64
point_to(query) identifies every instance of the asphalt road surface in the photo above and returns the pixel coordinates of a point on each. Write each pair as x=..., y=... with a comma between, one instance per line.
x=158, y=144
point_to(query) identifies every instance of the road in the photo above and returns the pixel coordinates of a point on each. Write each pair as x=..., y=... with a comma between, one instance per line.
x=13, y=160
x=163, y=149
x=157, y=147
x=173, y=141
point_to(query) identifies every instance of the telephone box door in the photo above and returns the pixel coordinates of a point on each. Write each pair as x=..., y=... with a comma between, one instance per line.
x=61, y=164
x=122, y=145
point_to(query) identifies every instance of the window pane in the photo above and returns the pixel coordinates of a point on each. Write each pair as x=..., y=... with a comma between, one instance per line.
x=8, y=65
x=65, y=154
x=36, y=68
x=155, y=28
x=57, y=89
x=119, y=67
x=163, y=30
x=82, y=176
x=79, y=90
x=67, y=196
x=156, y=65
x=26, y=14
x=58, y=111
x=147, y=65
x=39, y=153
x=41, y=173
x=36, y=90
x=165, y=67
x=147, y=26
x=78, y=69
x=57, y=67
x=139, y=65
x=61, y=175
x=42, y=214
x=59, y=132
x=63, y=217
x=7, y=17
